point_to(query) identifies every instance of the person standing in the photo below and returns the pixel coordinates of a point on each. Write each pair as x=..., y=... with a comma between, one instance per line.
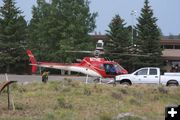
x=45, y=76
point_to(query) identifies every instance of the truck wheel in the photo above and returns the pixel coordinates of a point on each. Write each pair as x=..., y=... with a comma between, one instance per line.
x=125, y=83
x=172, y=83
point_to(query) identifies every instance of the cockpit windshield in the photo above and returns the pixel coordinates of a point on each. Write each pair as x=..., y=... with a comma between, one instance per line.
x=99, y=45
x=113, y=69
x=118, y=67
x=110, y=69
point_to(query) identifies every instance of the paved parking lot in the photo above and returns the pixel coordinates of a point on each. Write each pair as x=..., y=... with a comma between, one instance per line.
x=37, y=78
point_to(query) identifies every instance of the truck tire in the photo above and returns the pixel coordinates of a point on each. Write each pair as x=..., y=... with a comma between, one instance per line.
x=172, y=83
x=125, y=83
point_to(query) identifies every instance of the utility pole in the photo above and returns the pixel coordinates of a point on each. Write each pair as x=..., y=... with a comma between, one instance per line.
x=133, y=13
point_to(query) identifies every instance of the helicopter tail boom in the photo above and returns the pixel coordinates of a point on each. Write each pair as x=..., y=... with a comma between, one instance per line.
x=32, y=60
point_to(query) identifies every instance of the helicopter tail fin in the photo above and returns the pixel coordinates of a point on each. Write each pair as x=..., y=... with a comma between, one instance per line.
x=32, y=60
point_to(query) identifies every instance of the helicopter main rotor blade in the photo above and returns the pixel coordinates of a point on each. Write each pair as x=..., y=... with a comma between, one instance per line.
x=74, y=51
x=129, y=54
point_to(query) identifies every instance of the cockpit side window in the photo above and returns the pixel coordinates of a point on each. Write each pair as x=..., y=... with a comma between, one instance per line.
x=110, y=69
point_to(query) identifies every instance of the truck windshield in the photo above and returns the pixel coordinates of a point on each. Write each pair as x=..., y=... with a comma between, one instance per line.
x=142, y=72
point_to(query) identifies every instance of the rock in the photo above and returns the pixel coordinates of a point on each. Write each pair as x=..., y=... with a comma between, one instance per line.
x=127, y=116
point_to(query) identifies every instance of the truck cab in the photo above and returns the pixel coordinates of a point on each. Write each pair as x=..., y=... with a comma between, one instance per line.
x=147, y=75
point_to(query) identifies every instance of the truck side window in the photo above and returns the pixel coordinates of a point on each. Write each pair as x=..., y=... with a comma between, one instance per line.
x=142, y=72
x=153, y=72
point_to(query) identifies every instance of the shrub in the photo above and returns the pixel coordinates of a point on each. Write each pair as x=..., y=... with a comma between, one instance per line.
x=162, y=90
x=139, y=96
x=50, y=116
x=117, y=95
x=97, y=89
x=55, y=85
x=105, y=117
x=66, y=89
x=124, y=91
x=67, y=81
x=75, y=84
x=20, y=106
x=63, y=104
x=22, y=89
x=87, y=91
x=134, y=101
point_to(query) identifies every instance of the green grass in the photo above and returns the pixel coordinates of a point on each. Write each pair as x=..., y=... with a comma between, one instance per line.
x=72, y=100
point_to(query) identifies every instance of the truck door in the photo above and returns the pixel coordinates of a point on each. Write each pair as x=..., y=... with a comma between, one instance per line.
x=153, y=76
x=141, y=76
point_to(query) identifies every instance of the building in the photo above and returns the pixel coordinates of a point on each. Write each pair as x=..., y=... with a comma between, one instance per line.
x=170, y=53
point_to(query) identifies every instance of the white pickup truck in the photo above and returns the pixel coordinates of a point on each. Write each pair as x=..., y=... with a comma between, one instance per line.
x=149, y=75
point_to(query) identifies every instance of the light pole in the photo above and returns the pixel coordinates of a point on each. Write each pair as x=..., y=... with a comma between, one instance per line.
x=133, y=13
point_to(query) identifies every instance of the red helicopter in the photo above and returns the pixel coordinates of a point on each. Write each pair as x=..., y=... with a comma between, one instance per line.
x=92, y=66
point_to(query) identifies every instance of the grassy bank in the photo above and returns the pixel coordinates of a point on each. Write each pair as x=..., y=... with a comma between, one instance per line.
x=73, y=100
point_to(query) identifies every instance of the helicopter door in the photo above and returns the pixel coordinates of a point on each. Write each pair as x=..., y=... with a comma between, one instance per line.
x=110, y=69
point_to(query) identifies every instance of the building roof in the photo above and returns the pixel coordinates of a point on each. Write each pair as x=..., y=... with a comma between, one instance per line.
x=163, y=41
x=99, y=37
x=170, y=42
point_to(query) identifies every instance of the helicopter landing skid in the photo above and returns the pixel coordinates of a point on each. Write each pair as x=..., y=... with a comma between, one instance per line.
x=104, y=80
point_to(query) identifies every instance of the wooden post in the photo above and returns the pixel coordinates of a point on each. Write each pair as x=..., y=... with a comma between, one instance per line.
x=8, y=92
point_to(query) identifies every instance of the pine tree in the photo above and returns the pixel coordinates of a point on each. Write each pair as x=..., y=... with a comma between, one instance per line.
x=119, y=35
x=12, y=35
x=120, y=38
x=38, y=30
x=148, y=37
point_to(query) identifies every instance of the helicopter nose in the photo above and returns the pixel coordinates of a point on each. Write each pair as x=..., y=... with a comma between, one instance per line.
x=124, y=71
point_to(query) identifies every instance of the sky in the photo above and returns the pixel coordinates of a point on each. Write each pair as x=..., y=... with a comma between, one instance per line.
x=167, y=12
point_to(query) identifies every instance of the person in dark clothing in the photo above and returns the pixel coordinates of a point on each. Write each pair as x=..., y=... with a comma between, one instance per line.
x=45, y=76
x=112, y=70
